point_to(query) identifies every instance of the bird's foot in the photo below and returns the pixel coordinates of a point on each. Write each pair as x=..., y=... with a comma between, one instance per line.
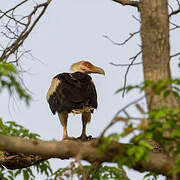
x=66, y=138
x=85, y=138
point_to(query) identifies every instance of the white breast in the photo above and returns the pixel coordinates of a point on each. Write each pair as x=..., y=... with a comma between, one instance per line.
x=54, y=84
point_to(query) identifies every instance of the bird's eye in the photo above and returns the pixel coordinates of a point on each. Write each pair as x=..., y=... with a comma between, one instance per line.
x=87, y=64
x=83, y=69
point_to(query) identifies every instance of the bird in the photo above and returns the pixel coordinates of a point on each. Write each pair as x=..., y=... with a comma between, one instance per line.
x=75, y=93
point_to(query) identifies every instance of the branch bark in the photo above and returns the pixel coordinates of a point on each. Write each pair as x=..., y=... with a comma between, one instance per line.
x=128, y=2
x=18, y=161
x=41, y=150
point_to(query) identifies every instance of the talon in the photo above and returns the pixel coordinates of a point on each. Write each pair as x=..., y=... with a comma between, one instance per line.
x=68, y=138
x=90, y=137
x=85, y=138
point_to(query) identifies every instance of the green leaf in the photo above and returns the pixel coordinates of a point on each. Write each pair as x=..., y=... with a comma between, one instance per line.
x=25, y=175
x=9, y=80
x=175, y=133
x=178, y=160
x=166, y=94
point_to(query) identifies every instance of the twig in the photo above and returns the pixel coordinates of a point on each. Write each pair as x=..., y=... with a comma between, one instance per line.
x=125, y=41
x=170, y=7
x=126, y=113
x=15, y=7
x=83, y=171
x=178, y=2
x=10, y=17
x=113, y=121
x=140, y=109
x=174, y=55
x=174, y=12
x=175, y=26
x=124, y=64
x=13, y=47
x=136, y=18
x=125, y=77
x=124, y=174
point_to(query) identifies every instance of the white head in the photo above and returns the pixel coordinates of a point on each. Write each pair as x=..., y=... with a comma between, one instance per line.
x=86, y=67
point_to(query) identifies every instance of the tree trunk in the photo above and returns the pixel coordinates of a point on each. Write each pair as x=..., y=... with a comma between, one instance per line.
x=156, y=51
x=155, y=48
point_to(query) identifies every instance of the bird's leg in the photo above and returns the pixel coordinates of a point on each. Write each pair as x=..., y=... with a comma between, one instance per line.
x=86, y=117
x=63, y=116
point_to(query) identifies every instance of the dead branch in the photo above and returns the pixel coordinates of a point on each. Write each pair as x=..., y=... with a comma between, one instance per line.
x=175, y=26
x=171, y=8
x=174, y=12
x=125, y=175
x=12, y=9
x=83, y=171
x=178, y=2
x=138, y=20
x=125, y=64
x=20, y=30
x=139, y=108
x=131, y=35
x=158, y=162
x=174, y=55
x=128, y=2
x=125, y=77
x=113, y=121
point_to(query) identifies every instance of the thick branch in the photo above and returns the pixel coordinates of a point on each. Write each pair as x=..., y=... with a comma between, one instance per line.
x=127, y=2
x=159, y=162
x=19, y=161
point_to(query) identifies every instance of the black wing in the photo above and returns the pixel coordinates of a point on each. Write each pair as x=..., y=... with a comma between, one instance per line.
x=72, y=92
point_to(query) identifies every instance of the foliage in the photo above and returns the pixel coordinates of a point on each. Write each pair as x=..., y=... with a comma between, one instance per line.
x=150, y=126
x=159, y=87
x=103, y=172
x=14, y=129
x=9, y=80
x=161, y=125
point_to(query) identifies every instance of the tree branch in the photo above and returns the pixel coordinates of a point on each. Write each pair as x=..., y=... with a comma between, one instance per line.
x=174, y=55
x=138, y=20
x=125, y=64
x=21, y=30
x=114, y=120
x=18, y=161
x=175, y=26
x=127, y=2
x=131, y=35
x=174, y=12
x=158, y=162
x=125, y=77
